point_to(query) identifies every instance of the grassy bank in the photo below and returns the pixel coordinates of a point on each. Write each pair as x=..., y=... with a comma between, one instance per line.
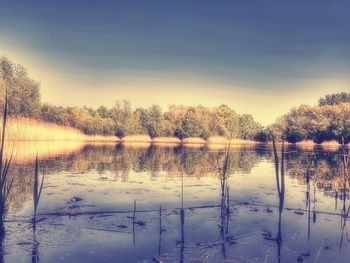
x=24, y=129
x=326, y=144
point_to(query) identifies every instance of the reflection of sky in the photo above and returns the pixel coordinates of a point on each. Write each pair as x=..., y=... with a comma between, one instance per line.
x=247, y=54
x=75, y=237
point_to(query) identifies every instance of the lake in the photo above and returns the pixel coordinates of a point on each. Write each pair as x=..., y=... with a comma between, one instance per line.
x=162, y=203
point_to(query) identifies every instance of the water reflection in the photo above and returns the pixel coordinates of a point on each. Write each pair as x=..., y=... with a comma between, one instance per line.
x=112, y=177
x=345, y=210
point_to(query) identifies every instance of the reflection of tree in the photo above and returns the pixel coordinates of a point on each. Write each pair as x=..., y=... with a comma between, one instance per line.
x=121, y=160
x=326, y=167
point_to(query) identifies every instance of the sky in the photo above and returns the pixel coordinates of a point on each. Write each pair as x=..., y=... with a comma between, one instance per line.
x=257, y=56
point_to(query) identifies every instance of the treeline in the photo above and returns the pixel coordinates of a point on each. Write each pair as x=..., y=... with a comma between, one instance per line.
x=179, y=121
x=121, y=119
x=329, y=120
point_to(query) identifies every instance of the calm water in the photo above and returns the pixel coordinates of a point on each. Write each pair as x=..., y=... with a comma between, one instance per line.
x=86, y=209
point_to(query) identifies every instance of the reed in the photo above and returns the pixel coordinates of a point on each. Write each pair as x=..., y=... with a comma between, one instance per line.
x=37, y=188
x=5, y=182
x=330, y=144
x=174, y=140
x=25, y=129
x=232, y=141
x=193, y=140
x=306, y=144
x=137, y=138
x=280, y=183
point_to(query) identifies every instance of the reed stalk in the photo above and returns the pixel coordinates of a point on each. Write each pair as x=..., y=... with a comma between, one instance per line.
x=5, y=182
x=37, y=188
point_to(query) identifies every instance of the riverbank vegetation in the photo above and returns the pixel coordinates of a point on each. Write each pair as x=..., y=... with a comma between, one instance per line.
x=329, y=120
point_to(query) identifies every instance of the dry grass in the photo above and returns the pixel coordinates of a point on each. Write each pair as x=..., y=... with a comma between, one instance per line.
x=234, y=142
x=137, y=138
x=101, y=138
x=132, y=144
x=193, y=140
x=166, y=140
x=330, y=145
x=217, y=140
x=306, y=144
x=24, y=129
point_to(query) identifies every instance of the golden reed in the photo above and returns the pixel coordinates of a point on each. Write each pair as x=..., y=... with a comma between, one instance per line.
x=25, y=129
x=26, y=138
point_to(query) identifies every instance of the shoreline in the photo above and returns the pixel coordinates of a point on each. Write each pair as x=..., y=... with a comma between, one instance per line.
x=30, y=130
x=144, y=139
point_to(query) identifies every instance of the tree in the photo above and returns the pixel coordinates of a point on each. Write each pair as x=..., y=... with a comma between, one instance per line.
x=248, y=127
x=103, y=112
x=191, y=125
x=334, y=99
x=23, y=92
x=122, y=116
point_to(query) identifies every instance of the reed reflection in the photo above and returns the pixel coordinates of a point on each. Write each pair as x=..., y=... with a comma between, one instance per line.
x=345, y=209
x=37, y=189
x=280, y=185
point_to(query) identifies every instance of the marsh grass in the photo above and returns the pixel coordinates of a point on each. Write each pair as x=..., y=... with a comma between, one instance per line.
x=25, y=129
x=5, y=182
x=37, y=188
x=280, y=183
x=346, y=183
x=133, y=224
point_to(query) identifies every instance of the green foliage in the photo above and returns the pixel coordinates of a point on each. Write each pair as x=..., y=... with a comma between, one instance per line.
x=248, y=128
x=330, y=120
x=23, y=92
x=192, y=125
x=319, y=123
x=334, y=99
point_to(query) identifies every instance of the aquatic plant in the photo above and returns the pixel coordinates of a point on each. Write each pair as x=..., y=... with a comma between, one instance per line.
x=280, y=191
x=5, y=182
x=37, y=188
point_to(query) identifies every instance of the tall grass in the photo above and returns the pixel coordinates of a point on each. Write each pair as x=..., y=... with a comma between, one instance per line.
x=5, y=182
x=25, y=129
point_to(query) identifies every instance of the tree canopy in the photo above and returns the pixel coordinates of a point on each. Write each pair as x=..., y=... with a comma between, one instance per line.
x=329, y=120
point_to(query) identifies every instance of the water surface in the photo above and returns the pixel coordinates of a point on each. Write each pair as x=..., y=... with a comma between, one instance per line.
x=86, y=208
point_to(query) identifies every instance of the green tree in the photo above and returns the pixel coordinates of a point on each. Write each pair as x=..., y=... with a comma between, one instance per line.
x=248, y=127
x=334, y=99
x=191, y=125
x=23, y=92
